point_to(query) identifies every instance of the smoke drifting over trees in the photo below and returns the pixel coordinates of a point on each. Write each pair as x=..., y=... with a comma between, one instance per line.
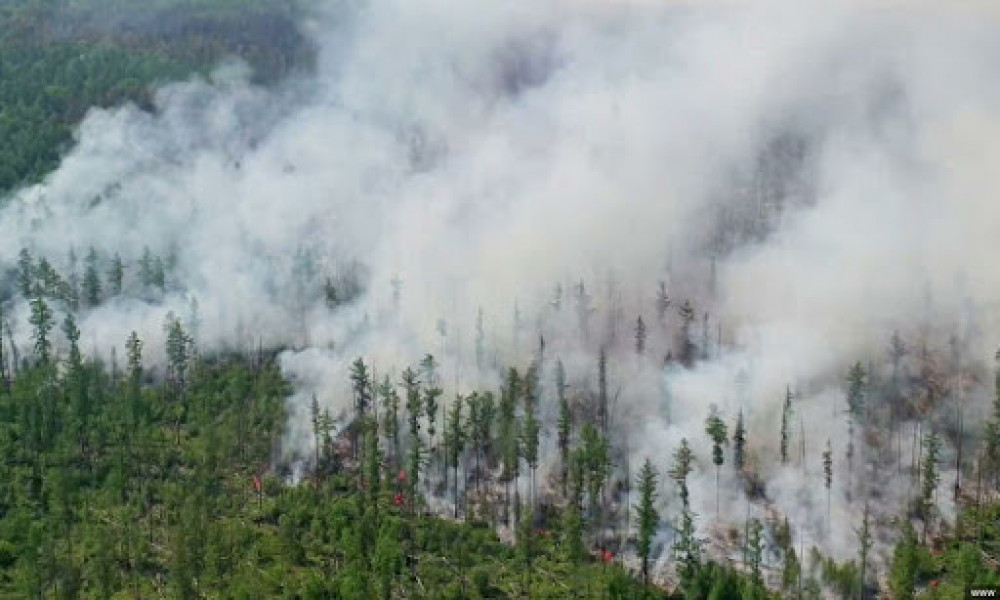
x=732, y=201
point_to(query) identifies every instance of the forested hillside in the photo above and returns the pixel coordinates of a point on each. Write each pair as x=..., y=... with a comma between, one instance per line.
x=59, y=59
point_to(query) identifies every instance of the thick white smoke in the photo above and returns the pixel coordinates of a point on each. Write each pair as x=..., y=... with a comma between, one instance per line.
x=483, y=153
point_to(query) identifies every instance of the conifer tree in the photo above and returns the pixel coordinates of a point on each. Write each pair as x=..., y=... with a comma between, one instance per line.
x=992, y=433
x=414, y=410
x=390, y=421
x=786, y=419
x=739, y=443
x=91, y=279
x=687, y=550
x=508, y=435
x=828, y=477
x=431, y=394
x=478, y=429
x=682, y=467
x=564, y=425
x=647, y=516
x=159, y=274
x=361, y=386
x=133, y=348
x=314, y=417
x=41, y=321
x=755, y=545
x=116, y=274
x=531, y=430
x=865, y=545
x=146, y=276
x=855, y=410
x=572, y=533
x=930, y=478
x=455, y=441
x=716, y=429
x=25, y=273
x=686, y=312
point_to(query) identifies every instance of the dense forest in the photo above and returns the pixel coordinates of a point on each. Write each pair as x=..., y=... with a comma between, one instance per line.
x=60, y=59
x=183, y=462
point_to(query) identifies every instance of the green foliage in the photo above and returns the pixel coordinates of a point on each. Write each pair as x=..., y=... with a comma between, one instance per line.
x=59, y=59
x=648, y=517
x=739, y=443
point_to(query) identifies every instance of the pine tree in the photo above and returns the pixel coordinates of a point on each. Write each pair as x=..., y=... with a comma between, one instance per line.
x=855, y=410
x=686, y=312
x=314, y=417
x=72, y=333
x=564, y=426
x=682, y=467
x=828, y=477
x=930, y=478
x=178, y=356
x=573, y=517
x=455, y=441
x=508, y=435
x=715, y=427
x=755, y=546
x=739, y=443
x=640, y=336
x=116, y=275
x=786, y=419
x=361, y=386
x=992, y=433
x=431, y=394
x=865, y=545
x=687, y=550
x=133, y=347
x=390, y=421
x=91, y=279
x=41, y=321
x=146, y=276
x=529, y=439
x=598, y=469
x=25, y=273
x=159, y=274
x=414, y=410
x=646, y=514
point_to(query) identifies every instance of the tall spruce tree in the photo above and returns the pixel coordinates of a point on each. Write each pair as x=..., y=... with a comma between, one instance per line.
x=786, y=420
x=116, y=275
x=91, y=279
x=41, y=322
x=455, y=442
x=647, y=516
x=739, y=443
x=564, y=426
x=414, y=410
x=930, y=479
x=828, y=477
x=716, y=429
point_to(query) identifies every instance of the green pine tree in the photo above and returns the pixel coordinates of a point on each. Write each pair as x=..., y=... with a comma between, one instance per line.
x=646, y=514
